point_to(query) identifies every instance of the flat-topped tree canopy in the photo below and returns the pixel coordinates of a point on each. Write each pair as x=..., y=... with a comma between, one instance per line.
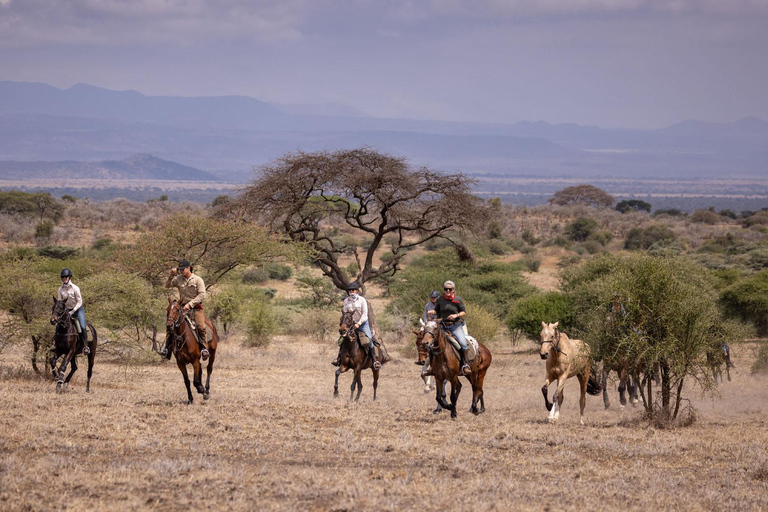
x=377, y=195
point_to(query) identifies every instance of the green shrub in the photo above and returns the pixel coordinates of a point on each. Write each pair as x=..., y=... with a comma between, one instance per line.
x=758, y=259
x=483, y=325
x=278, y=271
x=497, y=247
x=644, y=238
x=529, y=237
x=603, y=237
x=526, y=314
x=706, y=217
x=592, y=246
x=494, y=230
x=747, y=299
x=516, y=243
x=563, y=242
x=102, y=243
x=261, y=323
x=633, y=205
x=255, y=276
x=579, y=229
x=532, y=262
x=44, y=229
x=758, y=219
x=57, y=252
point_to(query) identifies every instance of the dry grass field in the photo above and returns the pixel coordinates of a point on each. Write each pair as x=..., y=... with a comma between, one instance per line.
x=273, y=437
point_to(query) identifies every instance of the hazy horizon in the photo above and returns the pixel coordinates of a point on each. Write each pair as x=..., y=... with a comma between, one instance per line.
x=614, y=64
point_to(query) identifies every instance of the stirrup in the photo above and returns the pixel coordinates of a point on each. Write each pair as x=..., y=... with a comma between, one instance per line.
x=86, y=350
x=465, y=369
x=204, y=354
x=376, y=365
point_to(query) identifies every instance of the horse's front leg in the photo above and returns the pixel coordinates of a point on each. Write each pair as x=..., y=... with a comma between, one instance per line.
x=52, y=363
x=440, y=395
x=606, y=398
x=358, y=378
x=336, y=384
x=545, y=392
x=183, y=367
x=455, y=390
x=73, y=369
x=63, y=368
x=197, y=376
x=557, y=400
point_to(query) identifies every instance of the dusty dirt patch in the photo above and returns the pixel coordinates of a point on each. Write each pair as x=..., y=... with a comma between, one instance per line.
x=273, y=437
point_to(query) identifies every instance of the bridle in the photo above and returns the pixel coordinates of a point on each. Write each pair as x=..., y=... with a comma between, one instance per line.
x=434, y=346
x=175, y=325
x=346, y=320
x=62, y=320
x=555, y=341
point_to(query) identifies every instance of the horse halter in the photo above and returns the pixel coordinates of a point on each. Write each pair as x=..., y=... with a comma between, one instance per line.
x=555, y=341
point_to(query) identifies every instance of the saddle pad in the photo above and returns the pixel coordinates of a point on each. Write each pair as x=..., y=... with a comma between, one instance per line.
x=472, y=347
x=208, y=330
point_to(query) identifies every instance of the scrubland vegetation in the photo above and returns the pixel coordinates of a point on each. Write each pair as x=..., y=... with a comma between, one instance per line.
x=688, y=283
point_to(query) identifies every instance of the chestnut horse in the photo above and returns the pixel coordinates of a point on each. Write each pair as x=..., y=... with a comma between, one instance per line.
x=446, y=368
x=66, y=342
x=566, y=358
x=353, y=357
x=421, y=359
x=187, y=351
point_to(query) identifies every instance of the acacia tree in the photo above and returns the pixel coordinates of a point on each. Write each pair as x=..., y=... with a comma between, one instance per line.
x=377, y=195
x=585, y=194
x=216, y=245
x=670, y=320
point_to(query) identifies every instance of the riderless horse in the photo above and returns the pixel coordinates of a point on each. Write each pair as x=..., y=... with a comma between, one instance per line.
x=446, y=368
x=353, y=357
x=66, y=342
x=566, y=358
x=187, y=350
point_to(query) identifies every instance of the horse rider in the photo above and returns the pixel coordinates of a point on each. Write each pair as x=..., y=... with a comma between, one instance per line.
x=191, y=296
x=69, y=292
x=451, y=310
x=430, y=305
x=356, y=303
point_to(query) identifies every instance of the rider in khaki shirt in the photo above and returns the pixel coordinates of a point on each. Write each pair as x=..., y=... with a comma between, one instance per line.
x=191, y=295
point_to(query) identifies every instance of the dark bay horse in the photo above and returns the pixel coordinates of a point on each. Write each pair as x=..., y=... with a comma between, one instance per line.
x=66, y=343
x=187, y=351
x=446, y=368
x=629, y=381
x=353, y=357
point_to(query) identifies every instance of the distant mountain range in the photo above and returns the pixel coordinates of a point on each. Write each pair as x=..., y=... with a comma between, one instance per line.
x=137, y=167
x=102, y=130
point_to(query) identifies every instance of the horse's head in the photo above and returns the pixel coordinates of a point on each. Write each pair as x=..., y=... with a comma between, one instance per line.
x=548, y=338
x=421, y=347
x=346, y=324
x=58, y=311
x=431, y=335
x=172, y=313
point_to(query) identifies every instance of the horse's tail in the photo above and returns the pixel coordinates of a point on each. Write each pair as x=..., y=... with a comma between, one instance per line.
x=594, y=386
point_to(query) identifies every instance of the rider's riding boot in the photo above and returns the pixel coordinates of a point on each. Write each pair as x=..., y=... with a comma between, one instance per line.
x=204, y=347
x=337, y=361
x=465, y=369
x=166, y=350
x=376, y=362
x=84, y=339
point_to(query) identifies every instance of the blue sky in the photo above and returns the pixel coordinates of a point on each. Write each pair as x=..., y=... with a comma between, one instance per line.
x=630, y=63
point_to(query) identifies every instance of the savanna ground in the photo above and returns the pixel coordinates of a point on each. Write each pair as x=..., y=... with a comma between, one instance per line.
x=273, y=437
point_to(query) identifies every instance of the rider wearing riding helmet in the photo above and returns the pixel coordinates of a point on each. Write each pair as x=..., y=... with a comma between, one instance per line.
x=356, y=303
x=451, y=311
x=430, y=305
x=69, y=292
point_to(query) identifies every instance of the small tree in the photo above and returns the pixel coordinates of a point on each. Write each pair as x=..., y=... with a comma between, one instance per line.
x=670, y=320
x=375, y=195
x=644, y=238
x=633, y=205
x=747, y=299
x=583, y=194
x=526, y=314
x=580, y=229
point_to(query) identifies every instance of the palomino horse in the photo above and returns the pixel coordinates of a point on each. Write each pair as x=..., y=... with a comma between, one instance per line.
x=421, y=359
x=187, y=350
x=353, y=357
x=446, y=368
x=66, y=343
x=566, y=358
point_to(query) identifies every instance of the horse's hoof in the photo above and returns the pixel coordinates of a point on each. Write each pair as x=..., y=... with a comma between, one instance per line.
x=206, y=396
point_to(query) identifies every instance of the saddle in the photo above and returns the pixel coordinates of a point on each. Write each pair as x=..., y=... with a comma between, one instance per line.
x=208, y=332
x=378, y=347
x=472, y=347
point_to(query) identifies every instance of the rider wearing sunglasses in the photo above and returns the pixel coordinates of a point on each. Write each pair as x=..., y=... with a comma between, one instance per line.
x=450, y=309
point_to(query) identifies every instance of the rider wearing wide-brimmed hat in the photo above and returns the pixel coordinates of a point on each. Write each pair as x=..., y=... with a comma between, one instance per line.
x=358, y=306
x=450, y=309
x=69, y=292
x=191, y=296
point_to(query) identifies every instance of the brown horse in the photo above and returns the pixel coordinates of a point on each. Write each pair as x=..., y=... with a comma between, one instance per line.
x=187, y=350
x=66, y=342
x=421, y=359
x=446, y=368
x=353, y=357
x=628, y=383
x=566, y=358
